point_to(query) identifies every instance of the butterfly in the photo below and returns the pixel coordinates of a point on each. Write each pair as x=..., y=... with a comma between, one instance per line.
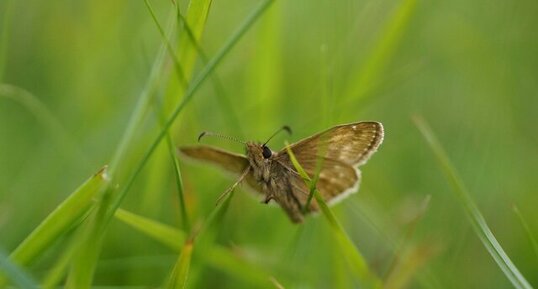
x=332, y=157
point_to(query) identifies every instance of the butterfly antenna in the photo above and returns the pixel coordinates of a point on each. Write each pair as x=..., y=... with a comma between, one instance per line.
x=207, y=133
x=286, y=128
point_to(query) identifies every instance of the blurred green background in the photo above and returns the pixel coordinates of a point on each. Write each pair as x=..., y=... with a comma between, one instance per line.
x=470, y=68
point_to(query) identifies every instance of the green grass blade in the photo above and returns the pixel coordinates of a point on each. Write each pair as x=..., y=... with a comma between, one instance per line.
x=165, y=234
x=222, y=259
x=83, y=268
x=222, y=98
x=351, y=252
x=141, y=106
x=215, y=256
x=178, y=278
x=177, y=171
x=369, y=75
x=527, y=229
x=64, y=217
x=177, y=66
x=195, y=20
x=179, y=184
x=472, y=212
x=208, y=69
x=58, y=270
x=12, y=272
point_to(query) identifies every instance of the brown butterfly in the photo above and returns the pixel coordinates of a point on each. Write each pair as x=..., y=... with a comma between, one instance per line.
x=333, y=156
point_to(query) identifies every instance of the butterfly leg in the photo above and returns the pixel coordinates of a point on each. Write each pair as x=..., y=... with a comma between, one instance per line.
x=232, y=187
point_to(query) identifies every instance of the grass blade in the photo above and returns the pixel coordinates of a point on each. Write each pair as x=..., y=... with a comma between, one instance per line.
x=215, y=256
x=194, y=22
x=527, y=230
x=208, y=69
x=178, y=278
x=168, y=45
x=163, y=233
x=67, y=214
x=43, y=117
x=15, y=274
x=472, y=212
x=353, y=255
x=82, y=270
x=368, y=76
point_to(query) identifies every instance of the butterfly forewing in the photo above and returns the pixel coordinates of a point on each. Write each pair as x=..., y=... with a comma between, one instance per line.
x=230, y=162
x=334, y=155
x=331, y=158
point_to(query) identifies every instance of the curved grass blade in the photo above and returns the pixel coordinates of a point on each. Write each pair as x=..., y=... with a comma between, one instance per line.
x=44, y=117
x=472, y=212
x=352, y=253
x=527, y=230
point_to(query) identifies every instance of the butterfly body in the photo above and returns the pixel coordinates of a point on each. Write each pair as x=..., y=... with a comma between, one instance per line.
x=273, y=178
x=333, y=156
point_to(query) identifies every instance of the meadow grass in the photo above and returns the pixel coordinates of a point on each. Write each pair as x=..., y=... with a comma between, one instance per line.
x=244, y=67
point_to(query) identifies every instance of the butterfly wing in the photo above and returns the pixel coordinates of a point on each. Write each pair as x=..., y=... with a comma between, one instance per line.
x=336, y=153
x=229, y=162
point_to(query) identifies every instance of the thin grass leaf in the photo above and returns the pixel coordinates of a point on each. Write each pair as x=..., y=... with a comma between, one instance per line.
x=138, y=114
x=472, y=212
x=177, y=66
x=208, y=69
x=87, y=242
x=352, y=253
x=81, y=272
x=14, y=273
x=58, y=270
x=64, y=217
x=177, y=171
x=195, y=20
x=527, y=229
x=91, y=234
x=180, y=273
x=214, y=255
x=43, y=117
x=165, y=234
x=222, y=98
x=179, y=184
x=370, y=73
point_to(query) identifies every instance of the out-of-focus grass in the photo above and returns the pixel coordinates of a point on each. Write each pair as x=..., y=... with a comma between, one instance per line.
x=472, y=212
x=356, y=259
x=15, y=274
x=90, y=84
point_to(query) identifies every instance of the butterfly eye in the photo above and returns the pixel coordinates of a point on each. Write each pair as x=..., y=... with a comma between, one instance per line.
x=266, y=152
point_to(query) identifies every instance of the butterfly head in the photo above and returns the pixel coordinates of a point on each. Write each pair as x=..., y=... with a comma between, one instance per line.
x=258, y=154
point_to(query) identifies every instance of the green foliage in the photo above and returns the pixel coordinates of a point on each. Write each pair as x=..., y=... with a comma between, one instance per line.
x=123, y=83
x=476, y=218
